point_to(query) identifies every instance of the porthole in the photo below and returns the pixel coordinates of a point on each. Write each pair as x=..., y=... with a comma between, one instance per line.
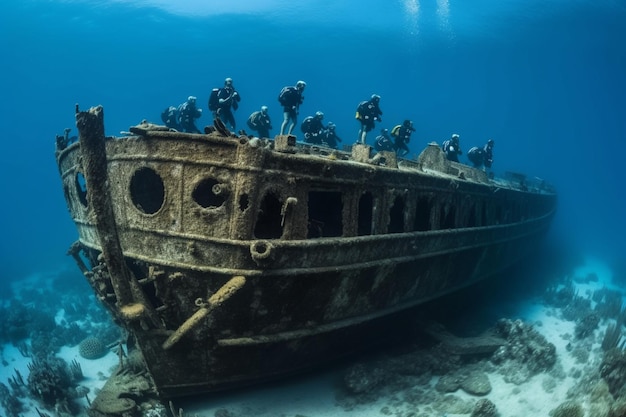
x=210, y=193
x=147, y=190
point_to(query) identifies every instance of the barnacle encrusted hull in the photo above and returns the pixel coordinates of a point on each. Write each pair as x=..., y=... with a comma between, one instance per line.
x=233, y=260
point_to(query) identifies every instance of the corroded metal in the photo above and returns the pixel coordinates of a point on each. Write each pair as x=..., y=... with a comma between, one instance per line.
x=327, y=246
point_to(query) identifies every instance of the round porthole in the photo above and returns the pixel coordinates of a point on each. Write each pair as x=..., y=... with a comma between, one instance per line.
x=147, y=191
x=210, y=193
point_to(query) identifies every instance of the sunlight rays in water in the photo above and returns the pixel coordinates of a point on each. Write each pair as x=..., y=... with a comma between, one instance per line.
x=414, y=14
x=412, y=10
x=443, y=15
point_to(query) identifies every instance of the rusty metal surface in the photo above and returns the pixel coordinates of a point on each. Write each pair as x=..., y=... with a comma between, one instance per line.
x=328, y=243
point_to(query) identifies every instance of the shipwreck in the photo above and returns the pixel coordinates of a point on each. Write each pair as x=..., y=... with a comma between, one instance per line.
x=232, y=260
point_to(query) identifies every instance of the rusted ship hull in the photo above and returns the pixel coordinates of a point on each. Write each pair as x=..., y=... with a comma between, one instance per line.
x=324, y=247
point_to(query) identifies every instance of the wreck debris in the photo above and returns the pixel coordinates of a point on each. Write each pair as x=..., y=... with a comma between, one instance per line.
x=223, y=294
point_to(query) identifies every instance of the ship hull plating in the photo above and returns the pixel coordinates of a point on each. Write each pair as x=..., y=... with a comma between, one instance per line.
x=233, y=261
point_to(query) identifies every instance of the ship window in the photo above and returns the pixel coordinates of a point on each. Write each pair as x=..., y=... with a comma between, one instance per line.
x=471, y=220
x=268, y=223
x=366, y=205
x=325, y=209
x=498, y=216
x=81, y=188
x=244, y=201
x=147, y=190
x=209, y=193
x=396, y=216
x=447, y=216
x=422, y=215
x=517, y=212
x=483, y=212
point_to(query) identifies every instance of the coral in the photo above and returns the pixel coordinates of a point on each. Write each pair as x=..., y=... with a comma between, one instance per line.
x=71, y=334
x=92, y=348
x=586, y=325
x=476, y=383
x=359, y=379
x=576, y=309
x=613, y=370
x=484, y=408
x=609, y=303
x=580, y=353
x=448, y=383
x=12, y=406
x=157, y=410
x=76, y=372
x=49, y=379
x=525, y=353
x=561, y=297
x=600, y=400
x=612, y=337
x=618, y=409
x=44, y=343
x=568, y=409
x=453, y=405
x=53, y=382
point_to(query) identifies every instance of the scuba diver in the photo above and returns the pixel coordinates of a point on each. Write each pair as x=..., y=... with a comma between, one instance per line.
x=187, y=115
x=482, y=157
x=452, y=148
x=402, y=136
x=383, y=141
x=260, y=122
x=222, y=102
x=329, y=136
x=169, y=116
x=367, y=113
x=291, y=98
x=312, y=128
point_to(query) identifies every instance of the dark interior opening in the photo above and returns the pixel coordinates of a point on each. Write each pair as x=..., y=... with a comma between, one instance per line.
x=483, y=213
x=81, y=189
x=244, y=202
x=471, y=219
x=396, y=216
x=325, y=214
x=498, y=214
x=422, y=215
x=147, y=190
x=209, y=193
x=366, y=206
x=269, y=219
x=447, y=216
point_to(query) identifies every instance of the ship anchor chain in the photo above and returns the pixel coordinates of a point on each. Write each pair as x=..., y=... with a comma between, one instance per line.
x=224, y=293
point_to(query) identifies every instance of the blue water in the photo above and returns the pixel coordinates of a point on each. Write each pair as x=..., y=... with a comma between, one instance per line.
x=545, y=80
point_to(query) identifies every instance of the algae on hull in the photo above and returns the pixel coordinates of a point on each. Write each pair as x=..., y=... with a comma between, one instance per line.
x=329, y=245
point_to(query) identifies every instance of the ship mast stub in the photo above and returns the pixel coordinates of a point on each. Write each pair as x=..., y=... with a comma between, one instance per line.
x=128, y=293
